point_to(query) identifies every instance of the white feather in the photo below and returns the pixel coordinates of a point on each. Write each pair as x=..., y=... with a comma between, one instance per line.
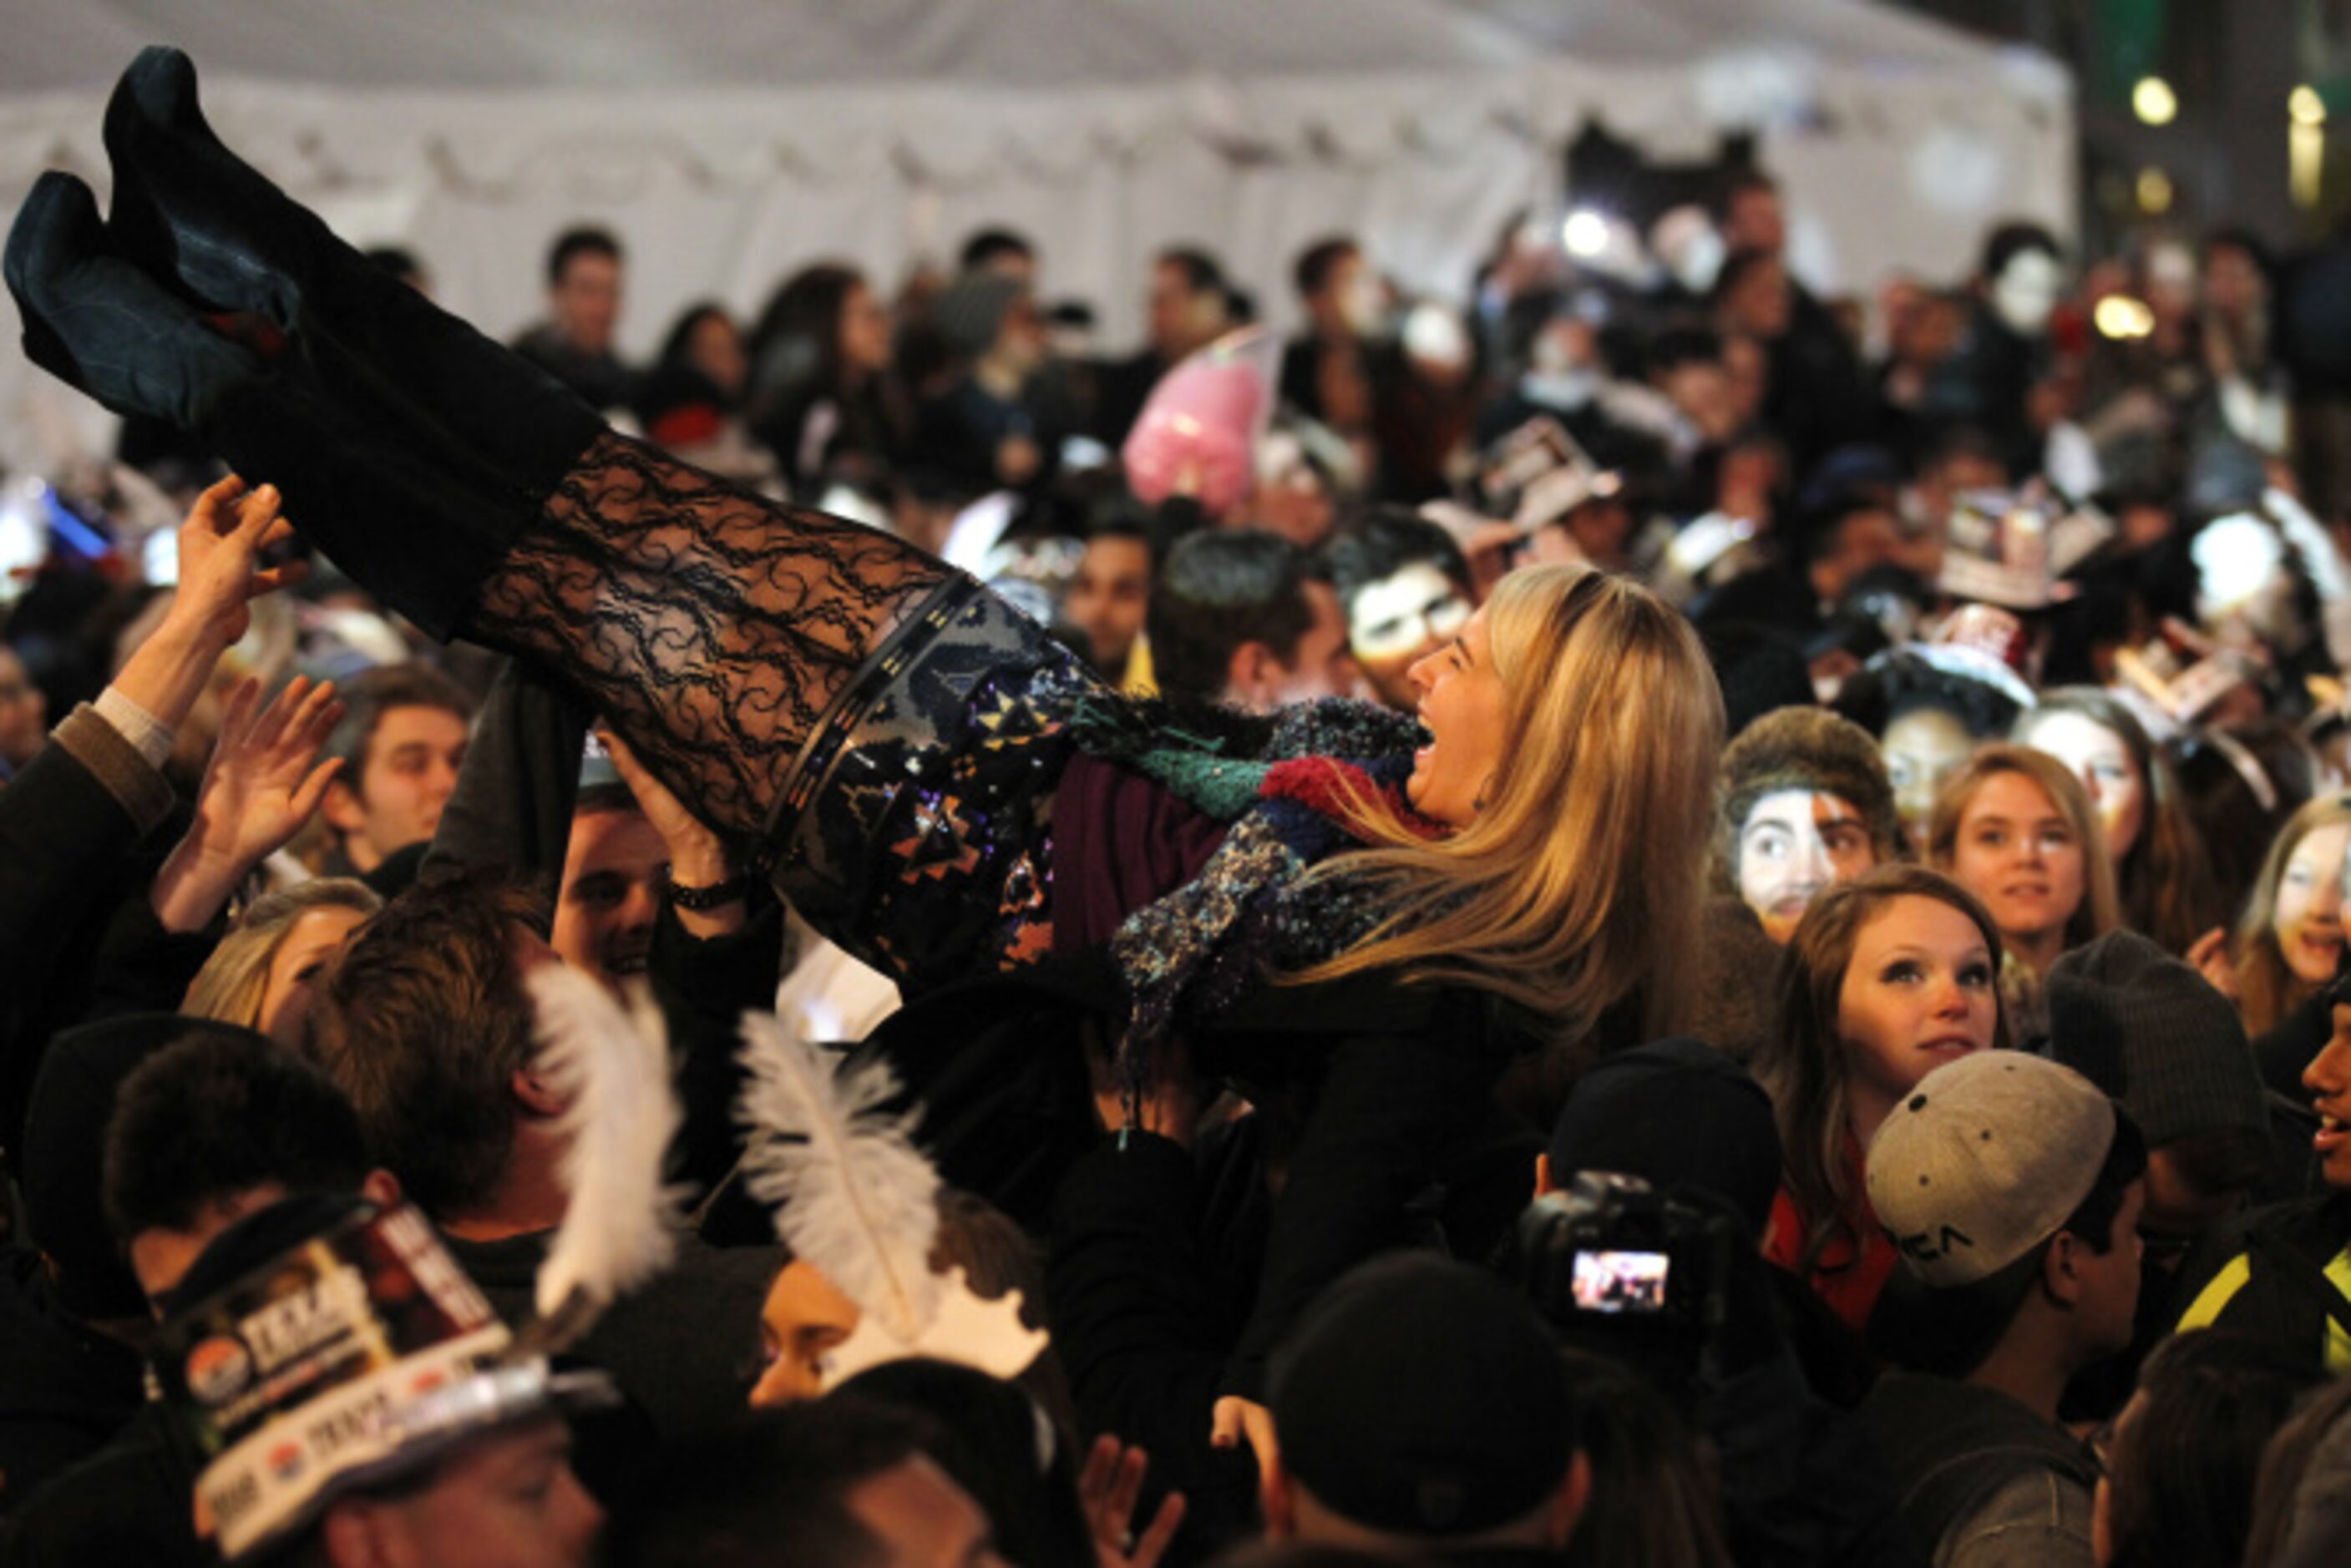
x=620, y=1227
x=852, y=1194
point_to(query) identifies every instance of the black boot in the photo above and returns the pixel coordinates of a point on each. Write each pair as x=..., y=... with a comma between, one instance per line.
x=97, y=323
x=193, y=212
x=367, y=476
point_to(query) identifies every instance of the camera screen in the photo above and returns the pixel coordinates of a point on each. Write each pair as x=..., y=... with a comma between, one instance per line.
x=1621, y=1281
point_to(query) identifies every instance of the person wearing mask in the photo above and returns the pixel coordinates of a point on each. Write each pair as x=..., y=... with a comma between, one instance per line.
x=2014, y=828
x=1805, y=804
x=1888, y=978
x=1405, y=590
x=2012, y=1189
x=575, y=343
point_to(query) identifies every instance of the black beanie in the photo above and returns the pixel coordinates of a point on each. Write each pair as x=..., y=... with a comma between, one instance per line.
x=1424, y=1397
x=2153, y=1033
x=1676, y=1113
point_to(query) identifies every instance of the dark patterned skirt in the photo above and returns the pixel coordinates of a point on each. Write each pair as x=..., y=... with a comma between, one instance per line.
x=917, y=829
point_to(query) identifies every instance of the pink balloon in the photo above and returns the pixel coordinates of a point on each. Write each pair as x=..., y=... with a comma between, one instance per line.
x=1199, y=431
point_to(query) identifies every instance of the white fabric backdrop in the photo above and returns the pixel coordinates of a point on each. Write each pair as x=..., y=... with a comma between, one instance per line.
x=1106, y=129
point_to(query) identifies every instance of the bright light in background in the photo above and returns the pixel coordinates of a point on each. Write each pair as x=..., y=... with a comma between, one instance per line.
x=1586, y=233
x=2153, y=191
x=2154, y=101
x=2305, y=144
x=2119, y=316
x=2305, y=106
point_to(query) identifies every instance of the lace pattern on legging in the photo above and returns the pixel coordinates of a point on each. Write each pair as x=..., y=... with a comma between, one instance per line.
x=712, y=628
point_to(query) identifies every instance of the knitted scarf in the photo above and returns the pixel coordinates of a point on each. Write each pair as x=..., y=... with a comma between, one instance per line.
x=1191, y=952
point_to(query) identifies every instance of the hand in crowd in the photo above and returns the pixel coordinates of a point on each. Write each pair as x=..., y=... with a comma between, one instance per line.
x=1236, y=1420
x=697, y=857
x=263, y=782
x=2209, y=958
x=220, y=548
x=1107, y=1489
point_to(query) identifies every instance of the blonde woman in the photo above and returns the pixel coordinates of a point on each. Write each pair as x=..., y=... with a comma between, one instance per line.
x=2290, y=937
x=259, y=975
x=930, y=779
x=2014, y=828
x=1889, y=977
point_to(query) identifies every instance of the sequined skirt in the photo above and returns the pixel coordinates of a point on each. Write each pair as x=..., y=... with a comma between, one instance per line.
x=916, y=832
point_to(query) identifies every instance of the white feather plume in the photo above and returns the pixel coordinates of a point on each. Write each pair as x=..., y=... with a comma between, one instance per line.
x=852, y=1194
x=612, y=1069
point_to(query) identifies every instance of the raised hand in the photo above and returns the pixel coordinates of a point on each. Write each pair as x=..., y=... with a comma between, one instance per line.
x=263, y=782
x=220, y=574
x=1108, y=1488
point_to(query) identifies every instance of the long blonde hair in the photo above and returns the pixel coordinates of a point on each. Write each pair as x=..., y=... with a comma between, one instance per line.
x=229, y=989
x=1802, y=1065
x=2267, y=989
x=2100, y=911
x=1579, y=882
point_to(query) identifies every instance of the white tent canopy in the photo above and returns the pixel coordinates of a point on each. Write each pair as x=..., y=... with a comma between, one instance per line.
x=729, y=141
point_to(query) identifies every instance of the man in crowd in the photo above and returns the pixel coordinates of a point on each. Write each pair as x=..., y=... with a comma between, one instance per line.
x=1239, y=616
x=2013, y=1188
x=1188, y=308
x=1463, y=1446
x=402, y=739
x=615, y=871
x=575, y=343
x=1326, y=371
x=1406, y=589
x=1111, y=593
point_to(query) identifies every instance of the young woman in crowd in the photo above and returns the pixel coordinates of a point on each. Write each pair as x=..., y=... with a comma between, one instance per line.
x=894, y=740
x=260, y=974
x=2161, y=876
x=1889, y=976
x=2015, y=830
x=2291, y=936
x=819, y=394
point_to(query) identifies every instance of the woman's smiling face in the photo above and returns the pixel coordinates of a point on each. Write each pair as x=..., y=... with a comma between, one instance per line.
x=1465, y=711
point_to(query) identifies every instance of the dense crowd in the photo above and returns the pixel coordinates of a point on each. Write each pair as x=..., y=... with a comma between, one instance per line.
x=1635, y=919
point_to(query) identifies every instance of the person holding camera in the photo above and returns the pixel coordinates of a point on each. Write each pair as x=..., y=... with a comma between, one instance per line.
x=1887, y=978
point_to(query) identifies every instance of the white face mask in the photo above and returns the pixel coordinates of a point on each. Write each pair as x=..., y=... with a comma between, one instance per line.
x=2025, y=292
x=1405, y=615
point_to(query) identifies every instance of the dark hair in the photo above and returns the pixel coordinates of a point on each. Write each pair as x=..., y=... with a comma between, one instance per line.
x=2008, y=241
x=1216, y=591
x=1385, y=542
x=584, y=240
x=1312, y=269
x=2285, y=1463
x=797, y=342
x=215, y=1115
x=423, y=1021
x=1901, y=682
x=676, y=348
x=1683, y=344
x=772, y=1487
x=987, y=244
x=375, y=694
x=2182, y=1471
x=1653, y=1499
x=1949, y=1332
x=1202, y=271
x=1735, y=268
x=2237, y=824
x=985, y=1434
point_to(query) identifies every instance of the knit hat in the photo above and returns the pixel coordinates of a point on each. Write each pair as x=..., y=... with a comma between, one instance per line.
x=2152, y=1031
x=1676, y=1113
x=1984, y=1161
x=970, y=311
x=1803, y=748
x=1423, y=1396
x=319, y=1346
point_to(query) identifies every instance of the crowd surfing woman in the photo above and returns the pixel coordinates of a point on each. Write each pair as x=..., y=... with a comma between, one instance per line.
x=2162, y=877
x=2015, y=830
x=2291, y=936
x=923, y=774
x=1889, y=977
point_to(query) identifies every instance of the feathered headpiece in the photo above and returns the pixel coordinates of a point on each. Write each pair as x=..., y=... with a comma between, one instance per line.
x=854, y=1200
x=620, y=1228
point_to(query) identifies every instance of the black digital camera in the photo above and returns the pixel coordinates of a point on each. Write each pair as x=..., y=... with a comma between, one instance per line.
x=1611, y=1250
